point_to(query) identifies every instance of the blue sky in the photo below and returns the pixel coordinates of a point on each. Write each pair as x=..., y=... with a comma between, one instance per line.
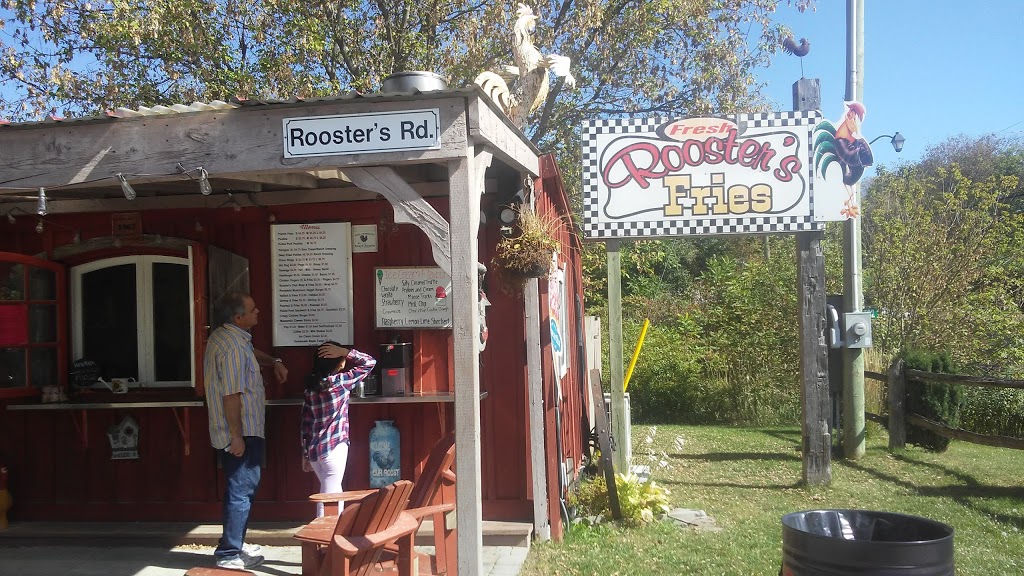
x=932, y=68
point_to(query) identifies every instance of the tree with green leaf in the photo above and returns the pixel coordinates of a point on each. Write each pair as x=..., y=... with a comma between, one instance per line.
x=943, y=245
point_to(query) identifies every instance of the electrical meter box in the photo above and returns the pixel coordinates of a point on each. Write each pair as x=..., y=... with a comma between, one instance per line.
x=858, y=329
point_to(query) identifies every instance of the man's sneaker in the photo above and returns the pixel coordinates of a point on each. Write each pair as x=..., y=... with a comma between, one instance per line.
x=251, y=549
x=241, y=562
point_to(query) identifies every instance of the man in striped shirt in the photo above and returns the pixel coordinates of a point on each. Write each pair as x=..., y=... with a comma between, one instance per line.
x=236, y=404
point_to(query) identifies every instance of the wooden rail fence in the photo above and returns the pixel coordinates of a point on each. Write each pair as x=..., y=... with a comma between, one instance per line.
x=897, y=419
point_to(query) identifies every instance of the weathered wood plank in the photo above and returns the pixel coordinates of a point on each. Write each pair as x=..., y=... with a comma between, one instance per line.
x=604, y=442
x=810, y=285
x=876, y=375
x=465, y=222
x=535, y=394
x=815, y=406
x=224, y=142
x=965, y=380
x=489, y=126
x=897, y=405
x=411, y=208
x=960, y=434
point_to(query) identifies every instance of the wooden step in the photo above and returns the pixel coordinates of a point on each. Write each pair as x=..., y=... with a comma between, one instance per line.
x=495, y=533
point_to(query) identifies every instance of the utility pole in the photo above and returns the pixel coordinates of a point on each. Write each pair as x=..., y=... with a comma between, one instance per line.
x=853, y=298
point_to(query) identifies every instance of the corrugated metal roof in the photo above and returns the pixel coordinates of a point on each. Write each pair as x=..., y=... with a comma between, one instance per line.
x=216, y=105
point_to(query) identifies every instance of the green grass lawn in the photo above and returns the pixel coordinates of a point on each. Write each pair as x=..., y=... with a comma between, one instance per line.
x=748, y=478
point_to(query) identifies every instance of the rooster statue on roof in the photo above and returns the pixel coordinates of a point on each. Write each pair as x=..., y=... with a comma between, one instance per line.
x=531, y=70
x=844, y=146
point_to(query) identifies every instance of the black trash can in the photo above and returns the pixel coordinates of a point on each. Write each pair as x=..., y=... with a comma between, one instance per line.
x=864, y=542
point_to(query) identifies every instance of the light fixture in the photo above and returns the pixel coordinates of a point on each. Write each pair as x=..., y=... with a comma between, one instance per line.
x=10, y=216
x=507, y=215
x=271, y=217
x=231, y=201
x=896, y=140
x=204, y=182
x=77, y=239
x=199, y=226
x=39, y=227
x=129, y=192
x=41, y=204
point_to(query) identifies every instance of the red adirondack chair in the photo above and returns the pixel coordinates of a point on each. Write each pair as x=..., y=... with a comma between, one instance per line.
x=352, y=544
x=436, y=474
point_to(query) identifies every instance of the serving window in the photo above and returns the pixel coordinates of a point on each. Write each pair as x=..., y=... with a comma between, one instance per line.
x=133, y=316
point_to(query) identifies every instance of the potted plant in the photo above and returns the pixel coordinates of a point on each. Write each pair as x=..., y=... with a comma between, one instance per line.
x=526, y=255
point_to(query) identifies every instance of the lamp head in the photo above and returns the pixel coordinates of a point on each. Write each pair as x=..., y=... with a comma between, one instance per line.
x=897, y=142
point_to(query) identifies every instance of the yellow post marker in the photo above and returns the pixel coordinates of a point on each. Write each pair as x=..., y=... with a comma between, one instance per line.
x=636, y=353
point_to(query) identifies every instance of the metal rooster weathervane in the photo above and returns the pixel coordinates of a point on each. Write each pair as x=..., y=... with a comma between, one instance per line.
x=531, y=70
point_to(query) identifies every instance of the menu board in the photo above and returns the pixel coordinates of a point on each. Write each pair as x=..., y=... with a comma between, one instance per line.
x=311, y=268
x=413, y=298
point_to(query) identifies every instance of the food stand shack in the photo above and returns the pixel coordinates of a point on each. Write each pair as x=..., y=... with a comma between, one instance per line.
x=360, y=218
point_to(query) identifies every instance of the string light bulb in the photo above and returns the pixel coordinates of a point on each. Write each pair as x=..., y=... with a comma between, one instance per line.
x=204, y=182
x=10, y=217
x=129, y=192
x=41, y=204
x=39, y=227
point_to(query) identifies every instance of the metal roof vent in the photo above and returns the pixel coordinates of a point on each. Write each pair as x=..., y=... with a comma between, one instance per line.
x=413, y=81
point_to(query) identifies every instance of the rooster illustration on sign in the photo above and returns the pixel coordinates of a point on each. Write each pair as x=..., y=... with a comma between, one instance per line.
x=384, y=459
x=845, y=147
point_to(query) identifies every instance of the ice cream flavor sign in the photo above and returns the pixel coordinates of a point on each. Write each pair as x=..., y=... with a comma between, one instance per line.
x=748, y=173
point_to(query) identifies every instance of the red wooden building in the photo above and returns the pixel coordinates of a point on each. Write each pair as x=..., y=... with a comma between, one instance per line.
x=151, y=213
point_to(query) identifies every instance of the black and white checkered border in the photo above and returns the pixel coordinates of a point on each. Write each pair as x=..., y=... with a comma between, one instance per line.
x=702, y=227
x=691, y=226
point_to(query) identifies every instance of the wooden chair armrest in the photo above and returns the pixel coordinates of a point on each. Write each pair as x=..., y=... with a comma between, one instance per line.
x=347, y=496
x=421, y=513
x=319, y=530
x=352, y=545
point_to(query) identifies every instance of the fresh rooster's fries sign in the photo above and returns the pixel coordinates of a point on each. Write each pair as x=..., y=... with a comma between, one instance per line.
x=751, y=173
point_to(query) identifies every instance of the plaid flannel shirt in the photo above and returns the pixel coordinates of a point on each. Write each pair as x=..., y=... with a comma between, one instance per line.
x=325, y=414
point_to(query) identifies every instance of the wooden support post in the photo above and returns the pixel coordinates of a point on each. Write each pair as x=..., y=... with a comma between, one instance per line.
x=815, y=407
x=897, y=405
x=814, y=424
x=535, y=394
x=465, y=221
x=621, y=452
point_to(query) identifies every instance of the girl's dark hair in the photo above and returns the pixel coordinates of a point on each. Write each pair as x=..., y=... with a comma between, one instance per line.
x=322, y=368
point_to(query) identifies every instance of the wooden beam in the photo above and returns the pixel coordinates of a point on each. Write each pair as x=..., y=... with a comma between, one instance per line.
x=465, y=223
x=290, y=179
x=196, y=200
x=983, y=381
x=491, y=127
x=227, y=143
x=966, y=436
x=815, y=406
x=535, y=393
x=411, y=208
x=622, y=453
x=897, y=405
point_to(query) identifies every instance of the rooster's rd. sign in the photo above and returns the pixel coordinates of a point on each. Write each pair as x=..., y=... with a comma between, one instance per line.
x=748, y=173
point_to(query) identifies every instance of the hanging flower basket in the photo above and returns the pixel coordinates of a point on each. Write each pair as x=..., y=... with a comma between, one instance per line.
x=527, y=254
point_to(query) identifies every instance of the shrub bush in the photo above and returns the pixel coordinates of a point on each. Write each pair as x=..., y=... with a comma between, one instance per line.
x=936, y=401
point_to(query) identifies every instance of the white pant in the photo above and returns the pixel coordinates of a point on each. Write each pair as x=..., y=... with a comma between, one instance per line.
x=330, y=470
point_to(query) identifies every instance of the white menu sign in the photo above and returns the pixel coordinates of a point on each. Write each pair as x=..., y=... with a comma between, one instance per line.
x=311, y=265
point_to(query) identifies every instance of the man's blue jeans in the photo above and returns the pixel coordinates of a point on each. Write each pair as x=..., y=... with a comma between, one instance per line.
x=242, y=476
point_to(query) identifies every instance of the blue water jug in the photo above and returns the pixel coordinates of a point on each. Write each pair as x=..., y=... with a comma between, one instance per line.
x=385, y=463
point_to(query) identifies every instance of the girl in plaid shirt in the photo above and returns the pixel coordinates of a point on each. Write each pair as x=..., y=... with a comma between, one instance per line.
x=324, y=430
